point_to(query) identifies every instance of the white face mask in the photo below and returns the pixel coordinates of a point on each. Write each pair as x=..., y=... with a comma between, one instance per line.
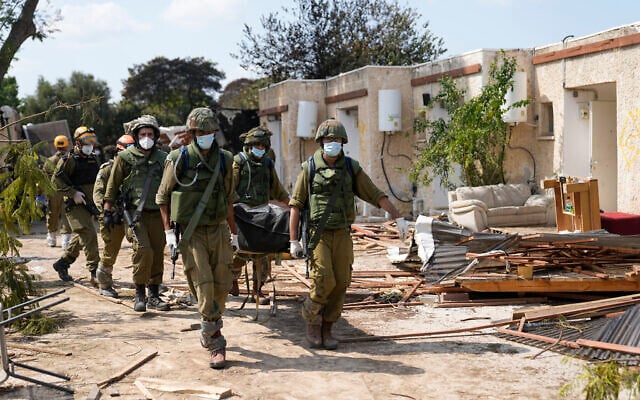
x=205, y=142
x=146, y=143
x=87, y=149
x=332, y=149
x=258, y=152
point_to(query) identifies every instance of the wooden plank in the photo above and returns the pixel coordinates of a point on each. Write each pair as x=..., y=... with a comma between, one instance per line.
x=273, y=110
x=127, y=370
x=550, y=285
x=145, y=392
x=38, y=349
x=295, y=273
x=551, y=311
x=94, y=393
x=355, y=94
x=411, y=291
x=197, y=390
x=454, y=73
x=608, y=346
x=490, y=302
x=595, y=47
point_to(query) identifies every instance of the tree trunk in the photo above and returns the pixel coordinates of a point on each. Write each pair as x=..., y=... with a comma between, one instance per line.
x=21, y=30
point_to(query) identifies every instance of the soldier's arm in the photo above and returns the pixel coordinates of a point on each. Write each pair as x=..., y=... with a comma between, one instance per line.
x=61, y=177
x=297, y=201
x=113, y=184
x=163, y=196
x=100, y=186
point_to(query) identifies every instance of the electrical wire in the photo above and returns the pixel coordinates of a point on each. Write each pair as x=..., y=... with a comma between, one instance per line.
x=533, y=160
x=384, y=171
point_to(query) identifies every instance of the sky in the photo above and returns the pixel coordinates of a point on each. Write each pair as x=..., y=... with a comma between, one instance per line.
x=106, y=38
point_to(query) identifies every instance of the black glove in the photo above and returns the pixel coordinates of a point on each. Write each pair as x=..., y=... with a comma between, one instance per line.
x=108, y=219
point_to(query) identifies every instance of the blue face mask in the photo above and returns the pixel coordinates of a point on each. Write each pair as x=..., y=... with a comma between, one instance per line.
x=205, y=142
x=258, y=152
x=332, y=149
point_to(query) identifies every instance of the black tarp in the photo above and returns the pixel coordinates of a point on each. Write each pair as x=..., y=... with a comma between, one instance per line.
x=263, y=228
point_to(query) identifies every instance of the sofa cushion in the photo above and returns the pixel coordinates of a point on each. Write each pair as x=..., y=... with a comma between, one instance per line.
x=538, y=200
x=502, y=211
x=510, y=195
x=482, y=193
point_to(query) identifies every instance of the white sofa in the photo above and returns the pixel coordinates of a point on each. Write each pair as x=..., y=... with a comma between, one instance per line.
x=480, y=207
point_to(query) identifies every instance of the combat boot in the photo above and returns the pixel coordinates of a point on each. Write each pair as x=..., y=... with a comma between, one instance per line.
x=62, y=267
x=155, y=302
x=218, y=358
x=93, y=281
x=51, y=239
x=328, y=341
x=108, y=292
x=314, y=335
x=140, y=304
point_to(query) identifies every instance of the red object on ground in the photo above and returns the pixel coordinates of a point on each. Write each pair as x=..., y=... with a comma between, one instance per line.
x=620, y=223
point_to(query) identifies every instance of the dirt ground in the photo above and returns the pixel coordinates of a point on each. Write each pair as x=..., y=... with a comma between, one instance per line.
x=269, y=359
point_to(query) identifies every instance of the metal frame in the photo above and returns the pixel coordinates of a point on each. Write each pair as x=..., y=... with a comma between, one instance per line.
x=8, y=366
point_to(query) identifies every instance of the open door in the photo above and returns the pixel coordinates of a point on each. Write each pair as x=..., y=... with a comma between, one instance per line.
x=604, y=151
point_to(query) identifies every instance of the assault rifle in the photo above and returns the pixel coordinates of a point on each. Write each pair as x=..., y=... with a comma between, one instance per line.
x=304, y=238
x=174, y=249
x=131, y=223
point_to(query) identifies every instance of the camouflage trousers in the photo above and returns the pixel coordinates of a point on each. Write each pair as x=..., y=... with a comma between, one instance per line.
x=330, y=275
x=112, y=239
x=84, y=237
x=207, y=258
x=56, y=214
x=148, y=253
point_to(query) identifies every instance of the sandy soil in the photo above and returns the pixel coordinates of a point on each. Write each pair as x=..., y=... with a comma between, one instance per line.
x=269, y=359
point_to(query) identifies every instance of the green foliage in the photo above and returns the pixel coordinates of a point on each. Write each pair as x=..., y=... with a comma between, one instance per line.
x=475, y=137
x=94, y=94
x=16, y=284
x=321, y=38
x=242, y=93
x=9, y=92
x=604, y=381
x=22, y=180
x=170, y=89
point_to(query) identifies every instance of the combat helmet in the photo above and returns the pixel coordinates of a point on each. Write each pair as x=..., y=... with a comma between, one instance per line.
x=60, y=141
x=144, y=121
x=85, y=135
x=331, y=128
x=124, y=141
x=257, y=135
x=203, y=119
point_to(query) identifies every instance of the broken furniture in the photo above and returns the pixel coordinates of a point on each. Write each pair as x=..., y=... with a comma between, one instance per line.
x=8, y=365
x=577, y=203
x=477, y=208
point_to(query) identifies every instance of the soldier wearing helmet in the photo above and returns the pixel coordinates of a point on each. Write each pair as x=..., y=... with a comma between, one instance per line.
x=135, y=178
x=257, y=184
x=196, y=197
x=113, y=234
x=327, y=185
x=55, y=210
x=74, y=177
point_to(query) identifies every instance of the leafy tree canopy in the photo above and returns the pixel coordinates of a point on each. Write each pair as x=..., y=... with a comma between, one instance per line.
x=9, y=92
x=20, y=21
x=321, y=38
x=170, y=89
x=474, y=137
x=243, y=93
x=82, y=88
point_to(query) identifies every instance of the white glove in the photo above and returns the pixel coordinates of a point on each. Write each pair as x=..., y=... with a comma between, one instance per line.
x=403, y=228
x=295, y=249
x=170, y=235
x=234, y=241
x=78, y=198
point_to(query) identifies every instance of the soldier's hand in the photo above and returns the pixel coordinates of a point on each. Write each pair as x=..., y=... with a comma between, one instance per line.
x=234, y=242
x=295, y=249
x=170, y=235
x=403, y=228
x=108, y=219
x=78, y=198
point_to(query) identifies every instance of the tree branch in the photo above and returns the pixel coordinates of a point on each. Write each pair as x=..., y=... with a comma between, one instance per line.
x=21, y=30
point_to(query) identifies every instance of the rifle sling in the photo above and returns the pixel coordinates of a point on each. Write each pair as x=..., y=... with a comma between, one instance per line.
x=145, y=192
x=186, y=235
x=325, y=215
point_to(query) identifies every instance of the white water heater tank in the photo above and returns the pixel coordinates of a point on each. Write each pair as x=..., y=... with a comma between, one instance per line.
x=515, y=94
x=389, y=110
x=307, y=119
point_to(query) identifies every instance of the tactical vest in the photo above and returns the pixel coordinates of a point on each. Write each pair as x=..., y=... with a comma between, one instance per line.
x=185, y=199
x=325, y=179
x=137, y=169
x=85, y=171
x=254, y=186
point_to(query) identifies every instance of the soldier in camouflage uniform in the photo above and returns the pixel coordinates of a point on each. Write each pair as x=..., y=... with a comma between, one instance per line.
x=190, y=173
x=332, y=252
x=74, y=177
x=111, y=235
x=55, y=210
x=256, y=184
x=136, y=176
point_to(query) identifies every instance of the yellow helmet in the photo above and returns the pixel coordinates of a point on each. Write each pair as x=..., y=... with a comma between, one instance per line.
x=85, y=135
x=60, y=141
